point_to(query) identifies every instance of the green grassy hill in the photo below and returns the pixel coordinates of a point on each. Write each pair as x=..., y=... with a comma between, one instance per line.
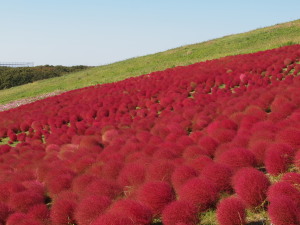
x=253, y=41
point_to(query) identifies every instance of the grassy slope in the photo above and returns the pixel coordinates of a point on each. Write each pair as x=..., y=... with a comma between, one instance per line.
x=256, y=40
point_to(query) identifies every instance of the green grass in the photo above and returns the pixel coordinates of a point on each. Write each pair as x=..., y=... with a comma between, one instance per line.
x=253, y=41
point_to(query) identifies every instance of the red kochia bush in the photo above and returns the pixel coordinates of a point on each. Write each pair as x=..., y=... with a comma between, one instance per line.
x=208, y=145
x=22, y=219
x=277, y=158
x=283, y=211
x=40, y=212
x=237, y=158
x=220, y=174
x=297, y=159
x=251, y=186
x=181, y=175
x=200, y=192
x=180, y=212
x=289, y=136
x=200, y=163
x=4, y=212
x=22, y=201
x=292, y=178
x=135, y=211
x=112, y=219
x=90, y=208
x=231, y=211
x=283, y=189
x=160, y=171
x=62, y=212
x=102, y=187
x=132, y=174
x=155, y=195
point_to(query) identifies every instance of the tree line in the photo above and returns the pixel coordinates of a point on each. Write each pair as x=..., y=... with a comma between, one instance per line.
x=10, y=76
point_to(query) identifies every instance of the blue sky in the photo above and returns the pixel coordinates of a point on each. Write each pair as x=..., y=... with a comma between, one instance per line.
x=90, y=32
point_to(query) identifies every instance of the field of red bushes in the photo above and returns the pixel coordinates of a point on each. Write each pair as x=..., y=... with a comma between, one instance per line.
x=220, y=135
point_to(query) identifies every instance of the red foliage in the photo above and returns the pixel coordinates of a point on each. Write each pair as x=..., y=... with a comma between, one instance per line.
x=181, y=175
x=22, y=219
x=220, y=174
x=200, y=163
x=251, y=186
x=292, y=178
x=90, y=208
x=192, y=152
x=4, y=212
x=297, y=159
x=237, y=158
x=132, y=174
x=284, y=189
x=200, y=192
x=204, y=119
x=102, y=187
x=135, y=211
x=23, y=200
x=289, y=136
x=278, y=156
x=282, y=210
x=160, y=171
x=156, y=195
x=40, y=212
x=259, y=149
x=231, y=211
x=180, y=212
x=62, y=212
x=208, y=144
x=112, y=219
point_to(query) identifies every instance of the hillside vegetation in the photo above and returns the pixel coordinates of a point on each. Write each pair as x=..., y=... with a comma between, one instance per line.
x=253, y=41
x=11, y=77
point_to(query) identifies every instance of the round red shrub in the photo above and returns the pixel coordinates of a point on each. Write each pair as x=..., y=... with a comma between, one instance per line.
x=62, y=212
x=4, y=149
x=278, y=156
x=289, y=136
x=208, y=145
x=297, y=159
x=180, y=212
x=192, y=152
x=251, y=186
x=22, y=201
x=111, y=169
x=155, y=195
x=22, y=219
x=9, y=188
x=231, y=211
x=200, y=163
x=79, y=183
x=58, y=183
x=90, y=208
x=220, y=174
x=282, y=211
x=237, y=158
x=181, y=175
x=113, y=219
x=40, y=212
x=292, y=178
x=132, y=174
x=135, y=211
x=4, y=212
x=200, y=192
x=259, y=149
x=103, y=187
x=283, y=189
x=160, y=171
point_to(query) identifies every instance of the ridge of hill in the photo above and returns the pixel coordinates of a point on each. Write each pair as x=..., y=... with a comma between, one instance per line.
x=252, y=41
